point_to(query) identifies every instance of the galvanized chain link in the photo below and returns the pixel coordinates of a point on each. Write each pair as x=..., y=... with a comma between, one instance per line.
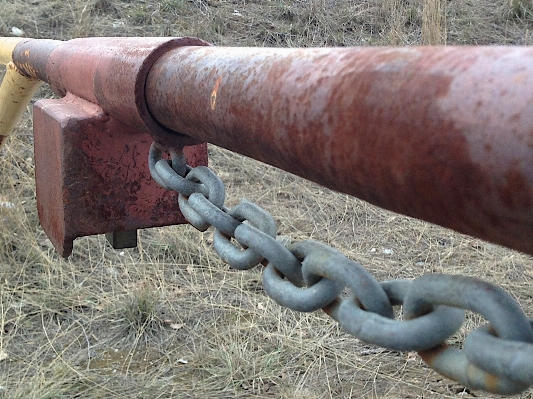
x=309, y=275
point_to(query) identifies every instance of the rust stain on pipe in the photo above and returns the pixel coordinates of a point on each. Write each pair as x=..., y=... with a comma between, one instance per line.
x=443, y=134
x=214, y=93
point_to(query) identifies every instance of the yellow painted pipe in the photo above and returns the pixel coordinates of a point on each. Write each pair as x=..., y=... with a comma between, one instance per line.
x=16, y=90
x=7, y=45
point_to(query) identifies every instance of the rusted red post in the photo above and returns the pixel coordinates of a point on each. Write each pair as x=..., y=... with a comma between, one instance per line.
x=91, y=146
x=443, y=134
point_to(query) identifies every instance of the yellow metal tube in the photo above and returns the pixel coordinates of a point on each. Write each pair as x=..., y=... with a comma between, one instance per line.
x=7, y=45
x=16, y=90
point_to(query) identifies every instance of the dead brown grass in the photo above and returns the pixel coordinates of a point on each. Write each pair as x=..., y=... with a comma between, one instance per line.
x=169, y=319
x=433, y=22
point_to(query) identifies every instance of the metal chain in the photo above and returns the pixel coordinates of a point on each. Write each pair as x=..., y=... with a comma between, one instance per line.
x=309, y=275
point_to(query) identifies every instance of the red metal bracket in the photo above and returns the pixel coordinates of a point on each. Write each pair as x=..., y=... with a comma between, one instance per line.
x=92, y=176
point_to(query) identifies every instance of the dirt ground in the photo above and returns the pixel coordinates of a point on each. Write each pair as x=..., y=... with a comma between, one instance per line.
x=169, y=319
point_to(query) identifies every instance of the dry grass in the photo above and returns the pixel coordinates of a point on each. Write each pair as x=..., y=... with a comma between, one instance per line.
x=433, y=22
x=168, y=319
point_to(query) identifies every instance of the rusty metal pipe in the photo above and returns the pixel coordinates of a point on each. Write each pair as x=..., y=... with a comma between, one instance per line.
x=443, y=134
x=108, y=71
x=91, y=146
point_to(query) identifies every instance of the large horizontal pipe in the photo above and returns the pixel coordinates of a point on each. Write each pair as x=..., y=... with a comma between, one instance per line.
x=443, y=134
